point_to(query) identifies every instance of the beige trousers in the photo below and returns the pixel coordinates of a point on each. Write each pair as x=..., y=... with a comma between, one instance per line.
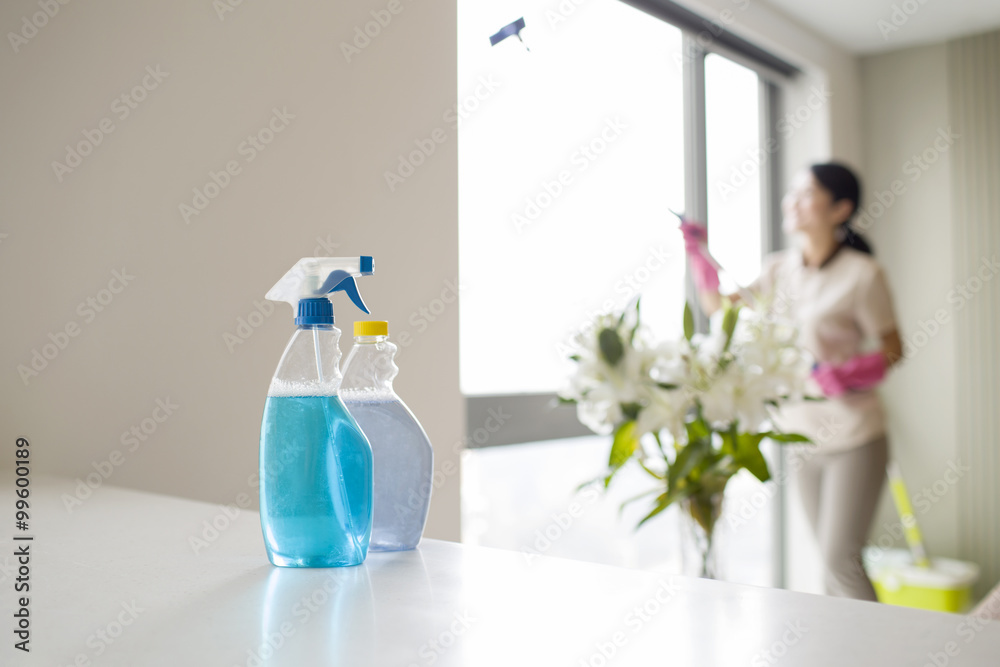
x=840, y=493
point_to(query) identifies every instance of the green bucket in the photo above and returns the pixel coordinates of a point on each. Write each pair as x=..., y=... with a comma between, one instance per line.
x=944, y=586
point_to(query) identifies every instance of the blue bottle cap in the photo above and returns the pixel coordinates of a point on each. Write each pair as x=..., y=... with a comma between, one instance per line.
x=315, y=311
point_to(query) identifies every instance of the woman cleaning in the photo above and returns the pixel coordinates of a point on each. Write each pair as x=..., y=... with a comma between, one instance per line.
x=832, y=288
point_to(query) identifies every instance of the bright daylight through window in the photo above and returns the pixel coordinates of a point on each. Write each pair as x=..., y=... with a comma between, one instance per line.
x=567, y=172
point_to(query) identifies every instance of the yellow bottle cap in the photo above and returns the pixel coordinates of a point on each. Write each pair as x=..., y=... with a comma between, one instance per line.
x=379, y=328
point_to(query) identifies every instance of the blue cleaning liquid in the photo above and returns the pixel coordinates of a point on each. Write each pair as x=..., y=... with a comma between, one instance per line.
x=404, y=461
x=315, y=483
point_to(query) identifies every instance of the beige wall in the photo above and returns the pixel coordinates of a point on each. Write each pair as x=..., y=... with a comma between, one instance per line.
x=974, y=105
x=905, y=107
x=929, y=131
x=317, y=189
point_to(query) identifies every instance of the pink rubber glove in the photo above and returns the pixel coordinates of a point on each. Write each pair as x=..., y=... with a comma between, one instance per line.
x=706, y=276
x=862, y=372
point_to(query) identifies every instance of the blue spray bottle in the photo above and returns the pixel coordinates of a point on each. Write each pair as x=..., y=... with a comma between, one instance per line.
x=315, y=462
x=404, y=458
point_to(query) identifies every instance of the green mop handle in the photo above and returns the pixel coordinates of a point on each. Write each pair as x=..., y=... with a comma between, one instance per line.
x=911, y=529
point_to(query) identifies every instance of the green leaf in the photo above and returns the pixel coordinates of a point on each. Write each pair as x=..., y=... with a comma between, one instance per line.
x=786, y=437
x=748, y=455
x=729, y=325
x=687, y=460
x=688, y=322
x=667, y=386
x=724, y=466
x=664, y=501
x=652, y=472
x=575, y=357
x=697, y=429
x=631, y=500
x=729, y=320
x=611, y=346
x=631, y=335
x=659, y=443
x=623, y=447
x=562, y=400
x=728, y=443
x=744, y=440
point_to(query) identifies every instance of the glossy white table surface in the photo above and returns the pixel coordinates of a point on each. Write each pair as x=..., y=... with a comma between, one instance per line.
x=117, y=582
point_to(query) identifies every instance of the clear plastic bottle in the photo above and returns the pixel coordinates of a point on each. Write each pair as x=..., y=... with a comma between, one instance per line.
x=404, y=458
x=316, y=468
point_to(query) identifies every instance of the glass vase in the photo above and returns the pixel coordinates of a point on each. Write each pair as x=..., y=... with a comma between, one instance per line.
x=699, y=536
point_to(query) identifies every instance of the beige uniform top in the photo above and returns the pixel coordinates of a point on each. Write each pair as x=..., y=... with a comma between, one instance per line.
x=842, y=309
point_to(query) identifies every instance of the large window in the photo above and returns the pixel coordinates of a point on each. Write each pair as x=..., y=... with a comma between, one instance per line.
x=567, y=174
x=569, y=169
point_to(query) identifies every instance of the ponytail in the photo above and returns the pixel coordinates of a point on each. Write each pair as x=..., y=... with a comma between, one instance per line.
x=852, y=239
x=843, y=184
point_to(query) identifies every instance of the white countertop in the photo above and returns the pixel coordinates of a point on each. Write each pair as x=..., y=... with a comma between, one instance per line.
x=117, y=582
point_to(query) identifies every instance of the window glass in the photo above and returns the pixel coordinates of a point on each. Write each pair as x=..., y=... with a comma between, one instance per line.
x=734, y=165
x=567, y=168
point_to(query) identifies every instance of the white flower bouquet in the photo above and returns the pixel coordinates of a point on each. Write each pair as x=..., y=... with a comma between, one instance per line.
x=692, y=412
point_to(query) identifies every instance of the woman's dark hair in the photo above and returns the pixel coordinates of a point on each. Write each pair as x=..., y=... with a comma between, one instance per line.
x=843, y=184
